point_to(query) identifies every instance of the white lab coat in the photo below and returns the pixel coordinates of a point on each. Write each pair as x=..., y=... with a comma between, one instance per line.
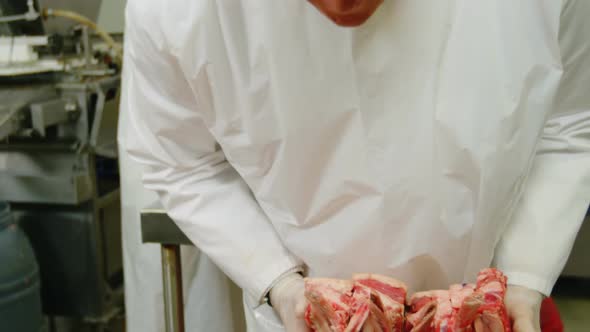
x=206, y=288
x=428, y=143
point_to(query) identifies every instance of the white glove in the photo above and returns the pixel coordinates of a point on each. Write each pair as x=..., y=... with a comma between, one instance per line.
x=288, y=300
x=524, y=308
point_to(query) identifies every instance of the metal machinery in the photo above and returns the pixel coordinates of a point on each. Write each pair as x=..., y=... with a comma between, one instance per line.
x=59, y=92
x=157, y=227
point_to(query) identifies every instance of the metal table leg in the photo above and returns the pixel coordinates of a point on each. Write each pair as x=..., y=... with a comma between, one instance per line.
x=173, y=297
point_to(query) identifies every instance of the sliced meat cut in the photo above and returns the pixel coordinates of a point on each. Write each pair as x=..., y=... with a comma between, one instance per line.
x=361, y=301
x=390, y=287
x=336, y=305
x=491, y=284
x=376, y=322
x=388, y=296
x=375, y=303
x=329, y=303
x=466, y=303
x=420, y=317
x=430, y=311
x=463, y=308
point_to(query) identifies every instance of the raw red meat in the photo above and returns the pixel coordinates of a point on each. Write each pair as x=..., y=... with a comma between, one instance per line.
x=388, y=297
x=336, y=305
x=492, y=284
x=368, y=303
x=429, y=311
x=374, y=303
x=478, y=308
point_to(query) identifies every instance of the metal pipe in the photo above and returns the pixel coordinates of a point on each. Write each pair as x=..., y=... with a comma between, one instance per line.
x=13, y=18
x=86, y=45
x=49, y=12
x=172, y=282
x=30, y=15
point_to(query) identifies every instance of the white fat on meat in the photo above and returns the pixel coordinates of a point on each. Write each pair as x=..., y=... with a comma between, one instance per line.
x=459, y=293
x=327, y=300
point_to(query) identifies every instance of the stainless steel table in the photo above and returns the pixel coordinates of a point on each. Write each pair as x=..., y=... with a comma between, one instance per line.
x=157, y=227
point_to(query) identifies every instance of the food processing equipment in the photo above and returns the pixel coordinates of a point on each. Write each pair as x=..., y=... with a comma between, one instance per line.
x=59, y=88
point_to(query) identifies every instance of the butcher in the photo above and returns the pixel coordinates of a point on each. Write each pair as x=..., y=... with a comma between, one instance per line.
x=421, y=140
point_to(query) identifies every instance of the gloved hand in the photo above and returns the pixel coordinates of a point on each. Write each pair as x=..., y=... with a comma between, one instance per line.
x=524, y=308
x=288, y=300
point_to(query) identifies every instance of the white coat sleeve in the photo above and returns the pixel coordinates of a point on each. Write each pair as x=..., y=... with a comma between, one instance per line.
x=181, y=161
x=535, y=247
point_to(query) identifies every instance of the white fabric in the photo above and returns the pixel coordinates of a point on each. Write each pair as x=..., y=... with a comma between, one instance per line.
x=558, y=193
x=261, y=318
x=275, y=138
x=206, y=288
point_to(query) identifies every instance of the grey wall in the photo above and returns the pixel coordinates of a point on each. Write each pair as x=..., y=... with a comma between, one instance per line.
x=112, y=15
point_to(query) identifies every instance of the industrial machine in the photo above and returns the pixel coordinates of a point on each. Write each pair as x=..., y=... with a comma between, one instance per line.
x=59, y=88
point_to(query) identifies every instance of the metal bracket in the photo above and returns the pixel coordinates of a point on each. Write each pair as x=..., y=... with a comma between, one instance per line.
x=103, y=119
x=50, y=113
x=100, y=102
